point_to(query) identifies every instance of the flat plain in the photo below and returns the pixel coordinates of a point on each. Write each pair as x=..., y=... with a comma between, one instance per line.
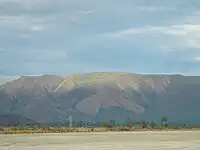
x=155, y=140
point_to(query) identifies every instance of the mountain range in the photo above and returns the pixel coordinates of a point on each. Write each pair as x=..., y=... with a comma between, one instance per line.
x=101, y=96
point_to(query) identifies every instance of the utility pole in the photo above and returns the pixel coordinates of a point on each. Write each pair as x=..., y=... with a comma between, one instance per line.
x=70, y=121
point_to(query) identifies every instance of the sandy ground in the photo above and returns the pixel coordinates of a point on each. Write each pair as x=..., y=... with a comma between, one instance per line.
x=171, y=140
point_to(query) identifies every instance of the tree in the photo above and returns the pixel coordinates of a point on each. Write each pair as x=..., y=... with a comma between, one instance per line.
x=164, y=121
x=109, y=124
x=41, y=125
x=112, y=123
x=144, y=124
x=81, y=123
x=129, y=123
x=153, y=124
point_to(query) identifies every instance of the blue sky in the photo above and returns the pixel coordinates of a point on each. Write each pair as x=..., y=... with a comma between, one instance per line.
x=75, y=36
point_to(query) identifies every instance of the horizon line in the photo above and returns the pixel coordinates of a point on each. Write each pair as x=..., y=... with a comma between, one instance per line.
x=69, y=74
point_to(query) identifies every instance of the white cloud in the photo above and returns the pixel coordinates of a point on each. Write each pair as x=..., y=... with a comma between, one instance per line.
x=87, y=12
x=175, y=30
x=181, y=35
x=36, y=28
x=154, y=8
x=136, y=31
x=183, y=30
x=23, y=22
x=197, y=58
x=185, y=35
x=120, y=34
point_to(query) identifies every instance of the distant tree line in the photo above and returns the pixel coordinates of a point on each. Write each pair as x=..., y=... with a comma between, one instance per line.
x=111, y=125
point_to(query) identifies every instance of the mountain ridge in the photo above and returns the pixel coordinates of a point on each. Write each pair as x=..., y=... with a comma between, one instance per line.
x=102, y=95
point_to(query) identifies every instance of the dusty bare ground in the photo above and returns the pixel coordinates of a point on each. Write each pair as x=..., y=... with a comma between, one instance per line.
x=160, y=140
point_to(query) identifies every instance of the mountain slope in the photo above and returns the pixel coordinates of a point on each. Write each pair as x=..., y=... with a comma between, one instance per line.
x=100, y=96
x=13, y=119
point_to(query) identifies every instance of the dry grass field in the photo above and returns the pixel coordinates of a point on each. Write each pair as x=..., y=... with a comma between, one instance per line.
x=155, y=140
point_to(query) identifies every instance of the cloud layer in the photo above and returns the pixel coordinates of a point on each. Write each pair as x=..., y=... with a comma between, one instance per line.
x=69, y=36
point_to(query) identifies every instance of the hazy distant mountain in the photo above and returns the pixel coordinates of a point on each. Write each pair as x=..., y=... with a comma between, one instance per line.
x=13, y=119
x=101, y=96
x=5, y=79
